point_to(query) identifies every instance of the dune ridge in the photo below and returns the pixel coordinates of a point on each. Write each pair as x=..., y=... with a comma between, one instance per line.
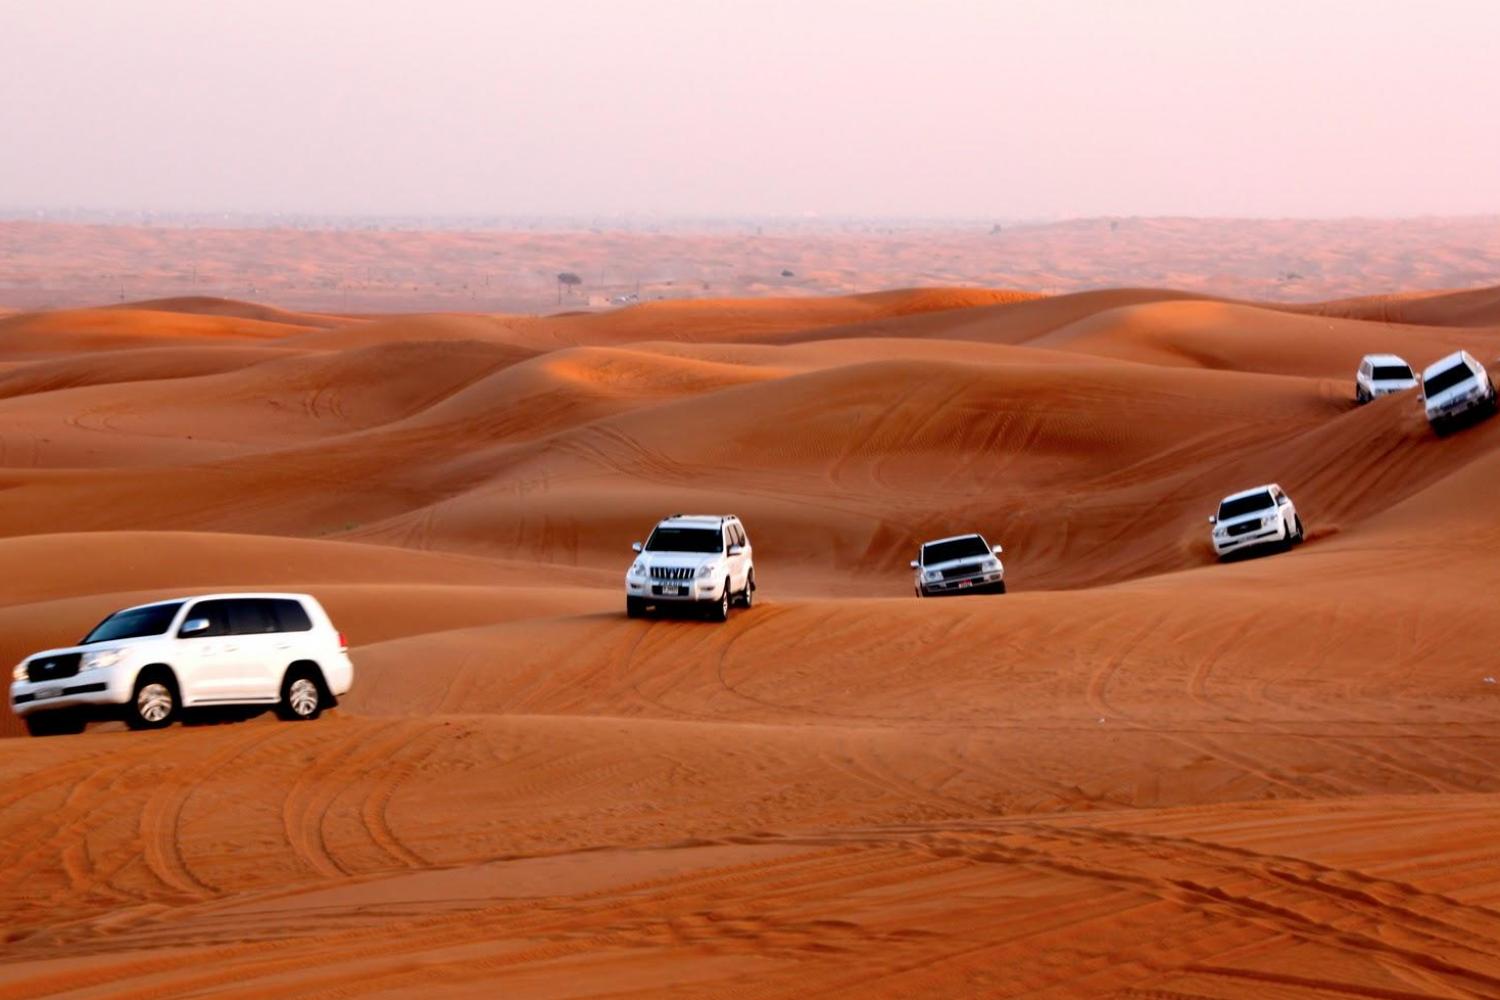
x=1138, y=774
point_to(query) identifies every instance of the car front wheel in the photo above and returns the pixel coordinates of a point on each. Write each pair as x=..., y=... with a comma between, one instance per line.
x=154, y=703
x=747, y=596
x=720, y=610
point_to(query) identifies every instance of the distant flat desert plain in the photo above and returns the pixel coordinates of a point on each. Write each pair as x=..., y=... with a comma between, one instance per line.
x=1139, y=774
x=368, y=268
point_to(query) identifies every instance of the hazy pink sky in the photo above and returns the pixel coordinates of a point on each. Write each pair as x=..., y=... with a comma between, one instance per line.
x=973, y=108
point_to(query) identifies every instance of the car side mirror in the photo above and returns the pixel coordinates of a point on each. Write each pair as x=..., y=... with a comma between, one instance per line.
x=915, y=564
x=1213, y=519
x=997, y=549
x=736, y=550
x=635, y=546
x=193, y=625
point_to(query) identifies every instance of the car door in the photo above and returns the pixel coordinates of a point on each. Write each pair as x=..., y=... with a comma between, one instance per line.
x=740, y=564
x=259, y=649
x=207, y=657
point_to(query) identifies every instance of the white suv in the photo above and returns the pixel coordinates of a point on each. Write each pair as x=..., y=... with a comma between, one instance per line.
x=153, y=660
x=1456, y=387
x=1262, y=516
x=1381, y=375
x=692, y=560
x=962, y=564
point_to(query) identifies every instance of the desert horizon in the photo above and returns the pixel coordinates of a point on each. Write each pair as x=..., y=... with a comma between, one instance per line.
x=394, y=265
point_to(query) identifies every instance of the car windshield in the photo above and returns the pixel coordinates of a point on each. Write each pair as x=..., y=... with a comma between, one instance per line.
x=665, y=539
x=134, y=624
x=1245, y=505
x=1391, y=373
x=954, y=548
x=1447, y=379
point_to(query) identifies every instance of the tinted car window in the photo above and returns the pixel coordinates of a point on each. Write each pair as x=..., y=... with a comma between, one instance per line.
x=251, y=616
x=290, y=615
x=1447, y=379
x=665, y=539
x=1245, y=505
x=955, y=548
x=217, y=613
x=1387, y=373
x=134, y=624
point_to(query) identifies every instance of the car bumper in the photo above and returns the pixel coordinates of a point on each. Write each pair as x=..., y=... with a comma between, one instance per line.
x=86, y=688
x=978, y=583
x=1457, y=408
x=1225, y=544
x=688, y=591
x=339, y=676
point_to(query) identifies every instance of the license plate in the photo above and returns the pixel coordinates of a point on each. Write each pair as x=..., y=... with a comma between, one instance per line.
x=41, y=693
x=965, y=583
x=672, y=590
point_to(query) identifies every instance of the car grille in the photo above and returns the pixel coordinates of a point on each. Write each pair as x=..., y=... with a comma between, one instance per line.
x=1243, y=528
x=46, y=668
x=672, y=572
x=961, y=571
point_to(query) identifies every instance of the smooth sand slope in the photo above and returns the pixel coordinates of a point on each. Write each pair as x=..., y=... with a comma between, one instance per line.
x=1139, y=774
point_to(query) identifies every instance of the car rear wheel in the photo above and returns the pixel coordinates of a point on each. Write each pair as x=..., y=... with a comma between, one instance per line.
x=154, y=703
x=302, y=695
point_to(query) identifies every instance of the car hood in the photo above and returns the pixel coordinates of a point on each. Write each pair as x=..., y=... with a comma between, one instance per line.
x=92, y=647
x=690, y=559
x=1254, y=515
x=960, y=561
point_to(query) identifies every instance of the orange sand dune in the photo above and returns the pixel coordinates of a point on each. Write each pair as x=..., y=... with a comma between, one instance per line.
x=1141, y=773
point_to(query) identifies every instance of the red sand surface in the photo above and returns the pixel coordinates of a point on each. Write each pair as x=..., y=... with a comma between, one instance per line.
x=1139, y=774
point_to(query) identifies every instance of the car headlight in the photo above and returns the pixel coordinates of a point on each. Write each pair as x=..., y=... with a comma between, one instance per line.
x=705, y=569
x=19, y=673
x=930, y=574
x=990, y=565
x=102, y=659
x=637, y=569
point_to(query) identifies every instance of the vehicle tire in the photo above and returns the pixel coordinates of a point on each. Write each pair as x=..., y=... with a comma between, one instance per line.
x=58, y=723
x=1000, y=587
x=634, y=607
x=747, y=596
x=154, y=701
x=719, y=610
x=303, y=695
x=1300, y=534
x=1360, y=398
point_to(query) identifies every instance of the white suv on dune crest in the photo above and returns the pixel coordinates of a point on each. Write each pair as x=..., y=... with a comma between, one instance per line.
x=1262, y=516
x=962, y=564
x=153, y=660
x=692, y=560
x=1454, y=388
x=1380, y=375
